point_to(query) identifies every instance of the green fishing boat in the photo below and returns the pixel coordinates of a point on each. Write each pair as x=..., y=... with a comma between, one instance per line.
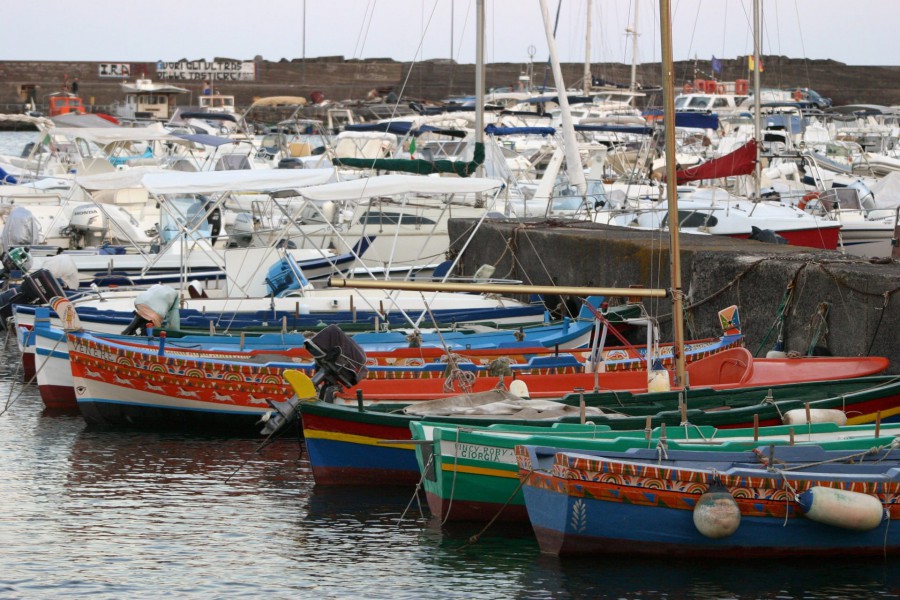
x=470, y=473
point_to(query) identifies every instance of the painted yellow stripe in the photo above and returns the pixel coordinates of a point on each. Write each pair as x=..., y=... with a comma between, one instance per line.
x=347, y=438
x=450, y=468
x=870, y=417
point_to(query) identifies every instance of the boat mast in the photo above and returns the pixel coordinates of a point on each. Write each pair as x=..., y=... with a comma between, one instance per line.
x=757, y=102
x=573, y=158
x=588, y=80
x=668, y=85
x=634, y=46
x=479, y=75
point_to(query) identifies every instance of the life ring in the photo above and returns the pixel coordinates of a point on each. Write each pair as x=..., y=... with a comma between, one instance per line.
x=720, y=89
x=806, y=199
x=686, y=88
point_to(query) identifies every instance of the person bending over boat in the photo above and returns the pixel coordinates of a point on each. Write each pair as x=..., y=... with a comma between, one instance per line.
x=157, y=305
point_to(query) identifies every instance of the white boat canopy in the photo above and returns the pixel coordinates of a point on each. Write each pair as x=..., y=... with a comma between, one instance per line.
x=112, y=135
x=209, y=182
x=387, y=185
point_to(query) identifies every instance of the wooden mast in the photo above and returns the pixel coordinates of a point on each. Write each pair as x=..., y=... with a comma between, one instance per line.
x=495, y=288
x=668, y=85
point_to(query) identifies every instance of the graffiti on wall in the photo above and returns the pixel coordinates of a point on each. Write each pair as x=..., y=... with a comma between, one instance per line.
x=201, y=70
x=121, y=70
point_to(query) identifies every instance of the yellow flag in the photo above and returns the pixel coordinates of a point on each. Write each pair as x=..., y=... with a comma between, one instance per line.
x=750, y=63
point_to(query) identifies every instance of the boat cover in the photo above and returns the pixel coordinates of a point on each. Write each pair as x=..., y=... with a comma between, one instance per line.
x=740, y=162
x=386, y=185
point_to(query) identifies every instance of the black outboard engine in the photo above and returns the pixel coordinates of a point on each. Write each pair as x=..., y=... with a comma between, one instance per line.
x=36, y=288
x=341, y=362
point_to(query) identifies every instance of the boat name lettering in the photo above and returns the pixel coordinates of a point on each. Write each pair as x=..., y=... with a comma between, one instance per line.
x=484, y=453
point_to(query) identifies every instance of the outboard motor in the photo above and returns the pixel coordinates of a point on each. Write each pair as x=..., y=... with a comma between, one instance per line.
x=36, y=288
x=340, y=363
x=242, y=231
x=87, y=226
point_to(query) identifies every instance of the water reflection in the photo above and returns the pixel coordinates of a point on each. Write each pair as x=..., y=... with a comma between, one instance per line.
x=117, y=514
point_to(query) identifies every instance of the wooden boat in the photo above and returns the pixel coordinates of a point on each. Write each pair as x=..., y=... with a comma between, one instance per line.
x=470, y=473
x=371, y=444
x=776, y=502
x=123, y=384
x=392, y=356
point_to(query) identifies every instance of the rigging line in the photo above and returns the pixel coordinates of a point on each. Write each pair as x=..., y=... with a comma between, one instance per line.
x=802, y=44
x=414, y=62
x=694, y=29
x=474, y=538
x=415, y=496
x=364, y=28
x=724, y=28
x=10, y=400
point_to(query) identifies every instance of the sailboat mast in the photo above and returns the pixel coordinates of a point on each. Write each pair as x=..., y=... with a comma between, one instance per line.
x=668, y=85
x=634, y=47
x=573, y=158
x=479, y=71
x=588, y=79
x=757, y=101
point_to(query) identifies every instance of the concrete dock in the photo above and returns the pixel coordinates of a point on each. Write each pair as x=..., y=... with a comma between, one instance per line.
x=823, y=301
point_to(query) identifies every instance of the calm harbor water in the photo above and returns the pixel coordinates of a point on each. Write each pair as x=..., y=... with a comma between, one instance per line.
x=116, y=514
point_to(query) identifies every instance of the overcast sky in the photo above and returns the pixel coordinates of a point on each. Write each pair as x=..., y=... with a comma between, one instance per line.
x=858, y=32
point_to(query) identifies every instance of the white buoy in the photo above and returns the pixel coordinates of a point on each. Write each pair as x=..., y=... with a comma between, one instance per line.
x=797, y=416
x=716, y=514
x=519, y=388
x=777, y=351
x=658, y=381
x=842, y=508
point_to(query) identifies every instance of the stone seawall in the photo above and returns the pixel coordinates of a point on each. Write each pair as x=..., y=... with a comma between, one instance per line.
x=340, y=79
x=846, y=305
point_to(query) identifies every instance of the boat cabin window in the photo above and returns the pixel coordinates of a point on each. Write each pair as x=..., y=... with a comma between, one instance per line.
x=692, y=218
x=233, y=162
x=698, y=102
x=840, y=199
x=377, y=217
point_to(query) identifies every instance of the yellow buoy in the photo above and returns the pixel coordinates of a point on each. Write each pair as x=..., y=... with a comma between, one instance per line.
x=716, y=514
x=842, y=508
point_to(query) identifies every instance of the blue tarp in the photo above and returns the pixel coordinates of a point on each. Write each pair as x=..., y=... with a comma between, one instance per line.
x=694, y=120
x=395, y=127
x=209, y=116
x=555, y=98
x=7, y=178
x=492, y=129
x=616, y=128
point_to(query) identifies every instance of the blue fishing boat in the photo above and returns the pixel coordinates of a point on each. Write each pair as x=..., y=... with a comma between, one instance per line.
x=785, y=501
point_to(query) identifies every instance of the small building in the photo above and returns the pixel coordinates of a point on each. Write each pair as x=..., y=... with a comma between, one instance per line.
x=145, y=99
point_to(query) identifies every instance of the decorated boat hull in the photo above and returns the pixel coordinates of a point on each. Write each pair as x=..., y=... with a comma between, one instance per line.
x=471, y=474
x=349, y=435
x=591, y=504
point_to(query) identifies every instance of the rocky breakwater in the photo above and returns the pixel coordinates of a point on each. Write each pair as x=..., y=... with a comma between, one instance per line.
x=822, y=301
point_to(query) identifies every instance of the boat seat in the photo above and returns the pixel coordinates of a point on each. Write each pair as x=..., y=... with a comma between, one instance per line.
x=731, y=366
x=299, y=149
